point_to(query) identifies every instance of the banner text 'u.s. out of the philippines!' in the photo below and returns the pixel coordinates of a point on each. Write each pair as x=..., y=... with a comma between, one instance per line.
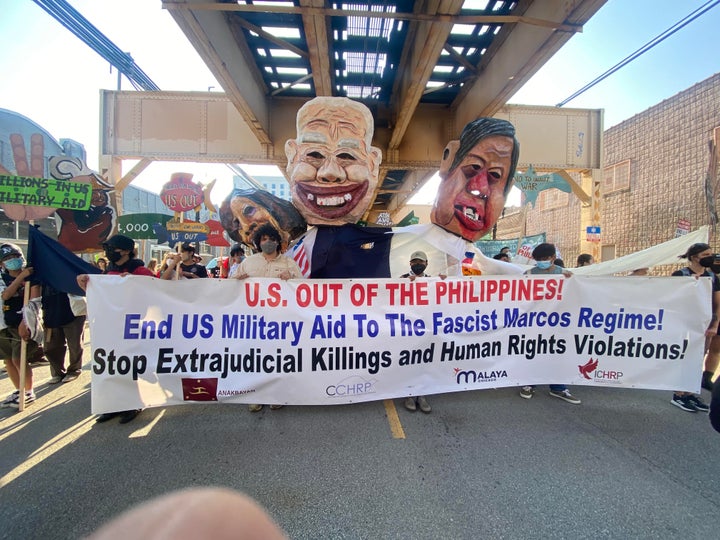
x=321, y=342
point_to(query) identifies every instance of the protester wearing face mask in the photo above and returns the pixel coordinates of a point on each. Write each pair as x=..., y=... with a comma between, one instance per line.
x=268, y=262
x=418, y=264
x=544, y=255
x=12, y=287
x=701, y=259
x=120, y=251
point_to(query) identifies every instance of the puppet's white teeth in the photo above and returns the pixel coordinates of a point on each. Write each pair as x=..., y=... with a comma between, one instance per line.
x=334, y=201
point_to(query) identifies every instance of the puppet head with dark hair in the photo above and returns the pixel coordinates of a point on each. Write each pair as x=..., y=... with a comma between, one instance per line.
x=477, y=174
x=245, y=210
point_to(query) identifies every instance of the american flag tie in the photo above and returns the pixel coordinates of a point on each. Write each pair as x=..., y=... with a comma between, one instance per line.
x=299, y=255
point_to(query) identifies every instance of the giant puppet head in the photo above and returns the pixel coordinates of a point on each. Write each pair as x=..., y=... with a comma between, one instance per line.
x=476, y=175
x=245, y=210
x=332, y=167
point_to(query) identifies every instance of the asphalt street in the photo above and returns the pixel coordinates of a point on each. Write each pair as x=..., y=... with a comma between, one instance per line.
x=485, y=464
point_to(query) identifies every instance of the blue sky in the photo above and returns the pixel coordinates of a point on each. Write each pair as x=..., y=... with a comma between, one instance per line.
x=54, y=79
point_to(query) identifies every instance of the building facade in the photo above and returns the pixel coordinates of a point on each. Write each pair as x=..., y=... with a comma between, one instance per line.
x=657, y=165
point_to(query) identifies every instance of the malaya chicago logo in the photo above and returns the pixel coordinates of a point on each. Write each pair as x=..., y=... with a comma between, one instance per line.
x=471, y=376
x=590, y=371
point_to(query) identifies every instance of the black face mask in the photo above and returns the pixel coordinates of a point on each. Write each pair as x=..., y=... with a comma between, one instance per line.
x=418, y=269
x=708, y=261
x=112, y=255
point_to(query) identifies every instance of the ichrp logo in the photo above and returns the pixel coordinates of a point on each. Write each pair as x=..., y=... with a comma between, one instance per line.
x=591, y=372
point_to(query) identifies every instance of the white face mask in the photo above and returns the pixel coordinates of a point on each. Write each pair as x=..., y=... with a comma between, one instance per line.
x=14, y=264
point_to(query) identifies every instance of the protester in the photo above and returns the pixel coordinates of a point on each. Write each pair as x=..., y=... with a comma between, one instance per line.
x=188, y=267
x=505, y=250
x=268, y=262
x=167, y=257
x=502, y=257
x=152, y=265
x=700, y=259
x=418, y=264
x=544, y=255
x=715, y=408
x=237, y=254
x=102, y=264
x=120, y=251
x=63, y=332
x=12, y=285
x=585, y=259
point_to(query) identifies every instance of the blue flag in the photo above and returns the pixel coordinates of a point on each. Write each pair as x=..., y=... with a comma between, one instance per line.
x=54, y=264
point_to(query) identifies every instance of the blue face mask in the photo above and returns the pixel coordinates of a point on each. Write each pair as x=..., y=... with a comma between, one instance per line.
x=14, y=264
x=544, y=265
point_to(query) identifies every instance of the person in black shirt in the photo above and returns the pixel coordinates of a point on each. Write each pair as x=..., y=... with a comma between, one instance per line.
x=189, y=269
x=700, y=259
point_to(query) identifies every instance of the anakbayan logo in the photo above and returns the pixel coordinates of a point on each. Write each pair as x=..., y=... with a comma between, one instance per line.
x=200, y=389
x=351, y=386
x=590, y=371
x=466, y=376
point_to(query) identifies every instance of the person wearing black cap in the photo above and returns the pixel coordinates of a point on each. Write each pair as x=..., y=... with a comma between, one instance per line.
x=189, y=269
x=418, y=264
x=120, y=251
x=700, y=259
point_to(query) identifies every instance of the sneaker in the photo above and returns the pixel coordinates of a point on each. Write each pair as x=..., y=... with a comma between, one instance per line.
x=699, y=404
x=276, y=407
x=104, y=417
x=29, y=398
x=527, y=392
x=10, y=399
x=71, y=376
x=129, y=416
x=684, y=403
x=410, y=404
x=56, y=379
x=423, y=404
x=565, y=395
x=255, y=407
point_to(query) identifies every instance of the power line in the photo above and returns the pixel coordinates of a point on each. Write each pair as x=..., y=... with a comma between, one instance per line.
x=71, y=19
x=649, y=45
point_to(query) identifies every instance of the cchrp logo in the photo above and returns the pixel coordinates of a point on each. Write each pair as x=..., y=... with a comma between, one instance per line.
x=351, y=386
x=591, y=372
x=467, y=376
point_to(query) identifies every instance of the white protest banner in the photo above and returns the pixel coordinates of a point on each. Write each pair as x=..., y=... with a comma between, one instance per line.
x=325, y=342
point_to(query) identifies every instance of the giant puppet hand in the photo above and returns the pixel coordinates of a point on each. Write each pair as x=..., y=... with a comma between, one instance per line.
x=34, y=169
